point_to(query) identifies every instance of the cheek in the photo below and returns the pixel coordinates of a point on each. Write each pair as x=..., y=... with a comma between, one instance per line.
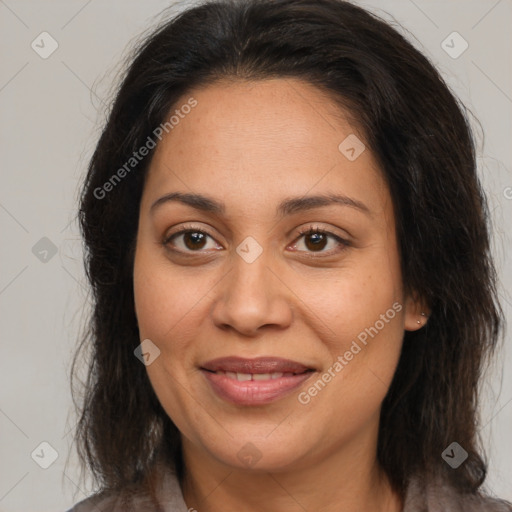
x=361, y=316
x=343, y=304
x=365, y=330
x=164, y=300
x=166, y=306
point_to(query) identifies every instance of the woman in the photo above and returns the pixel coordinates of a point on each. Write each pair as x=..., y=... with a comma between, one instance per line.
x=288, y=247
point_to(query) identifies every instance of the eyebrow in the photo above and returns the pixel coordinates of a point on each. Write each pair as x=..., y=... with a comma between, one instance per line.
x=286, y=207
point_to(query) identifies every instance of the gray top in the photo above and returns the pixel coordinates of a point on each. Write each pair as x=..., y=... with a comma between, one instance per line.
x=420, y=497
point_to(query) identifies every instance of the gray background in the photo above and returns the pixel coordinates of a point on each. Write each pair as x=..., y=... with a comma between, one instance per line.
x=51, y=112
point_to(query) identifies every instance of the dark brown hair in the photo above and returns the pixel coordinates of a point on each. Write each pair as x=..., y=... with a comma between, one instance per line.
x=420, y=135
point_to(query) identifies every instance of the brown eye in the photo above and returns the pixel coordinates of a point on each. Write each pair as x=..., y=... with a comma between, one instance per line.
x=189, y=240
x=315, y=241
x=194, y=239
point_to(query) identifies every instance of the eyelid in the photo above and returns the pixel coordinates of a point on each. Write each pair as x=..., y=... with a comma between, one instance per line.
x=183, y=229
x=188, y=228
x=314, y=228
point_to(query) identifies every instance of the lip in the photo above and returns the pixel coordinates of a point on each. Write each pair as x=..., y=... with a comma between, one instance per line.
x=256, y=365
x=255, y=392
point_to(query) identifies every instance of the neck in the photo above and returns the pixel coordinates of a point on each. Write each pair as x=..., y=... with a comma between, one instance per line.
x=327, y=484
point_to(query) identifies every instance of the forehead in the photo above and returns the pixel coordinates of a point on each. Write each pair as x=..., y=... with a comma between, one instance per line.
x=263, y=140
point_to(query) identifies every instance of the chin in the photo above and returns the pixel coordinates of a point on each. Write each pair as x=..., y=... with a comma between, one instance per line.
x=255, y=449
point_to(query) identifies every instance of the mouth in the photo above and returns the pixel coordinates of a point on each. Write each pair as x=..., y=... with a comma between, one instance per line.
x=254, y=381
x=243, y=377
x=258, y=365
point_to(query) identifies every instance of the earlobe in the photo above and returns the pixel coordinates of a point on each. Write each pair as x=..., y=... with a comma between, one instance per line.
x=422, y=320
x=416, y=313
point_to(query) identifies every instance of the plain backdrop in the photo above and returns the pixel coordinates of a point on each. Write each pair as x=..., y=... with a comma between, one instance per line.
x=52, y=110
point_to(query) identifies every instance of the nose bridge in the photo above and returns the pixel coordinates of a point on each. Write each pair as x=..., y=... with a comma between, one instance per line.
x=248, y=281
x=251, y=296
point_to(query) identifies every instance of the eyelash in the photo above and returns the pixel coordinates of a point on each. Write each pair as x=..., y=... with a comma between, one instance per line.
x=317, y=230
x=308, y=230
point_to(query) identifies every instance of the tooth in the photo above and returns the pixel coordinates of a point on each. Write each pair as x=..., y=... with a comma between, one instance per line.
x=277, y=375
x=261, y=376
x=231, y=375
x=243, y=376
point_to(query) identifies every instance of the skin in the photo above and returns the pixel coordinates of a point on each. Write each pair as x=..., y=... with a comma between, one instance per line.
x=251, y=145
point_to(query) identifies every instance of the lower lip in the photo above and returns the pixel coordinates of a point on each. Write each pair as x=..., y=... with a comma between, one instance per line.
x=254, y=392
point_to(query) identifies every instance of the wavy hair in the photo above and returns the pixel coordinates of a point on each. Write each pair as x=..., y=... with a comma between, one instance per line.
x=419, y=133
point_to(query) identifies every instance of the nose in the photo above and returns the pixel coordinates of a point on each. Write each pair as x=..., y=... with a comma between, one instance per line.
x=252, y=296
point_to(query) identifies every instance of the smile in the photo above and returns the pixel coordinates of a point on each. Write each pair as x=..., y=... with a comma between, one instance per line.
x=257, y=381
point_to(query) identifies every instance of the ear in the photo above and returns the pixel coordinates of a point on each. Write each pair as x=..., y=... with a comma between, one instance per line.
x=416, y=313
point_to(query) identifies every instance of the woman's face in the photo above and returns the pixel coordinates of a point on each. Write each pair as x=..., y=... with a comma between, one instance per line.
x=326, y=311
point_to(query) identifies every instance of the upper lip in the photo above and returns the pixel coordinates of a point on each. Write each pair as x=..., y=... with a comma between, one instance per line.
x=256, y=365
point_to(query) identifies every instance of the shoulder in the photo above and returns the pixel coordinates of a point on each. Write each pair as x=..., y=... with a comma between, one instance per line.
x=98, y=503
x=438, y=496
x=167, y=497
x=122, y=501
